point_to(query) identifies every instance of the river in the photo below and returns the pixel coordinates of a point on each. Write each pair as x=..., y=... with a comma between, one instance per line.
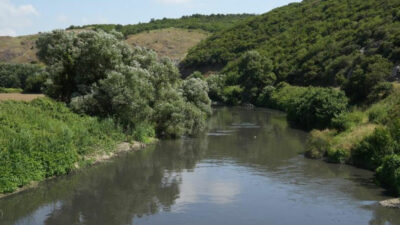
x=248, y=168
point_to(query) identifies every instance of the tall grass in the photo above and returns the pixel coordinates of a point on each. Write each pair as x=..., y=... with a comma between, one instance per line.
x=43, y=138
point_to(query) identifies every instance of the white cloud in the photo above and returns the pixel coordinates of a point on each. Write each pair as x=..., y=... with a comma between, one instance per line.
x=14, y=17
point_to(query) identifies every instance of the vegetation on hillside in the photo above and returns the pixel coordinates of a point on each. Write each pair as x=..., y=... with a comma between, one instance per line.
x=355, y=44
x=211, y=23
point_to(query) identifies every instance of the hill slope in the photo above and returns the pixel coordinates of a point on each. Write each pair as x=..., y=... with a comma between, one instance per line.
x=170, y=42
x=168, y=37
x=210, y=23
x=18, y=49
x=315, y=42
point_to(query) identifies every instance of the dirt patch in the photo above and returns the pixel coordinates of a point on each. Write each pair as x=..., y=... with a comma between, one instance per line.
x=19, y=97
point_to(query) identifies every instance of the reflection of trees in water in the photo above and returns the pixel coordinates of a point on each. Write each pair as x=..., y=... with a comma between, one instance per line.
x=113, y=193
x=133, y=187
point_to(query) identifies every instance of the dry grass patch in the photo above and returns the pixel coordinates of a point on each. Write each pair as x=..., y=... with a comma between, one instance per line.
x=19, y=97
x=18, y=49
x=170, y=42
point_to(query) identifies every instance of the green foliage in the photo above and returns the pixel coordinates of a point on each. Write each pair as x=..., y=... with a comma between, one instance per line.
x=253, y=72
x=196, y=74
x=210, y=23
x=20, y=76
x=366, y=79
x=216, y=83
x=321, y=43
x=347, y=120
x=44, y=138
x=195, y=91
x=10, y=90
x=98, y=74
x=389, y=173
x=232, y=95
x=371, y=151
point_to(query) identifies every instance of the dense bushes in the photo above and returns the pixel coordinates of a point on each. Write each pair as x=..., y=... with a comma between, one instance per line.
x=307, y=107
x=367, y=79
x=29, y=77
x=44, y=138
x=370, y=152
x=100, y=75
x=389, y=173
x=317, y=107
x=210, y=23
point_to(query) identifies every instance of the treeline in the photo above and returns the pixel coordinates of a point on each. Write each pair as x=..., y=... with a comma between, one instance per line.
x=323, y=43
x=211, y=23
x=103, y=92
x=24, y=77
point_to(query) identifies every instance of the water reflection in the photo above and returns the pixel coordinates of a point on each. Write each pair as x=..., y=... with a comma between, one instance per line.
x=245, y=170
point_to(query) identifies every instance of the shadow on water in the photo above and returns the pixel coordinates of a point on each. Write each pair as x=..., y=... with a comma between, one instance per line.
x=253, y=151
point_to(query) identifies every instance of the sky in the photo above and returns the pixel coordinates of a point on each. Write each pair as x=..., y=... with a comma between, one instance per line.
x=21, y=17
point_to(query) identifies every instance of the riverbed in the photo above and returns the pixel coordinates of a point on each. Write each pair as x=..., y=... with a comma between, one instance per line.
x=247, y=168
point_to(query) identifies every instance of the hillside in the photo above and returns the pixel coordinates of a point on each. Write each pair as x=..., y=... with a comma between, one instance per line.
x=314, y=42
x=18, y=49
x=210, y=23
x=169, y=42
x=168, y=37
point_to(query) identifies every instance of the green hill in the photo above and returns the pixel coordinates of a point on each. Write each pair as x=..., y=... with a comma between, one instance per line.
x=168, y=37
x=210, y=23
x=315, y=42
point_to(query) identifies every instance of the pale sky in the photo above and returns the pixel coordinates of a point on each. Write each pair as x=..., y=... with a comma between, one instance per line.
x=20, y=17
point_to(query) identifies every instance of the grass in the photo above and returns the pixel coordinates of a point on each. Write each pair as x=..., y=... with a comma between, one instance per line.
x=355, y=126
x=10, y=90
x=18, y=49
x=43, y=138
x=170, y=42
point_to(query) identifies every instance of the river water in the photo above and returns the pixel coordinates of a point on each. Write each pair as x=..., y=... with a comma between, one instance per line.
x=247, y=168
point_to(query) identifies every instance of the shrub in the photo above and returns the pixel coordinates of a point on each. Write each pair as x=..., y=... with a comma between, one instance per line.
x=347, y=120
x=389, y=173
x=316, y=108
x=44, y=138
x=367, y=77
x=10, y=90
x=318, y=143
x=232, y=95
x=369, y=153
x=216, y=85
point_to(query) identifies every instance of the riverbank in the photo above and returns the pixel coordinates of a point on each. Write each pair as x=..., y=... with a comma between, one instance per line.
x=90, y=160
x=43, y=138
x=365, y=136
